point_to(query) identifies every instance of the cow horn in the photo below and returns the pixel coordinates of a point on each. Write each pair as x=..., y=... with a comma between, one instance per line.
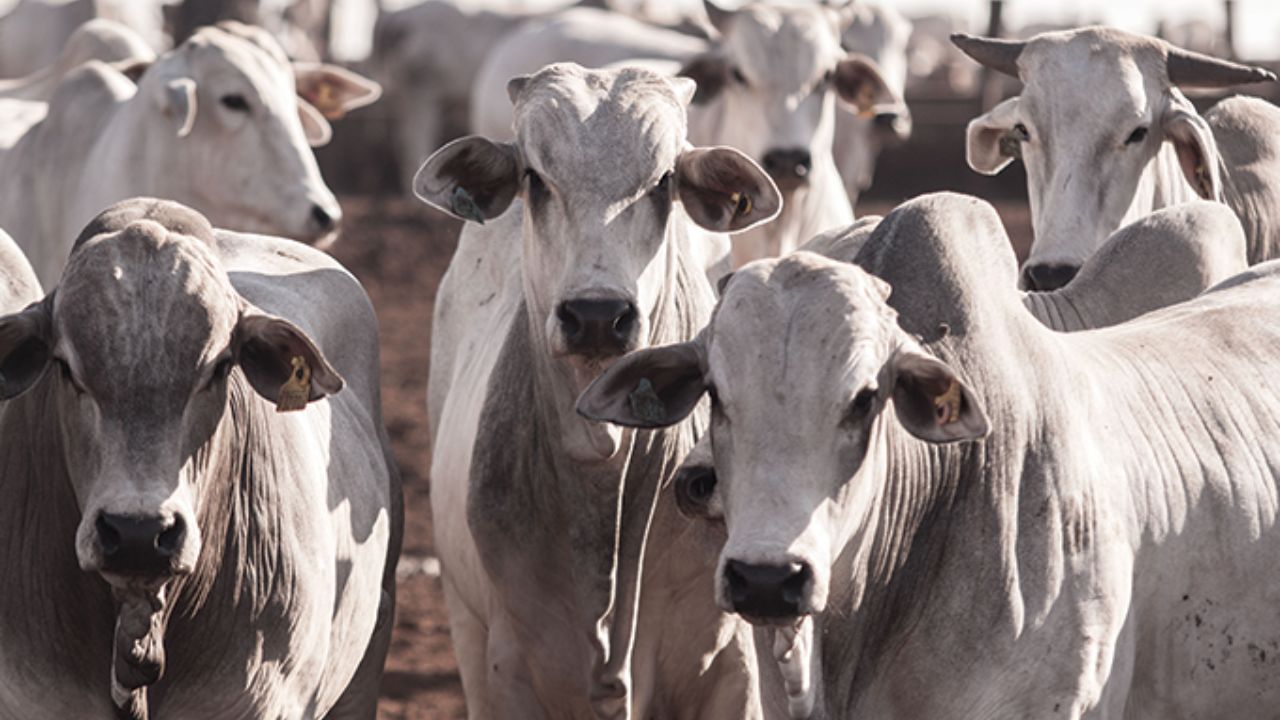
x=1193, y=69
x=999, y=55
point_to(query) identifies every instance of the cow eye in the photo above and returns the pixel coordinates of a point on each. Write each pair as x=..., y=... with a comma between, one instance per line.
x=236, y=102
x=1137, y=136
x=1020, y=133
x=861, y=406
x=65, y=370
x=737, y=75
x=694, y=487
x=220, y=372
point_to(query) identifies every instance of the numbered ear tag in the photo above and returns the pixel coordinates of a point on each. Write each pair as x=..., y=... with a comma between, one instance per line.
x=295, y=391
x=465, y=207
x=645, y=403
x=946, y=407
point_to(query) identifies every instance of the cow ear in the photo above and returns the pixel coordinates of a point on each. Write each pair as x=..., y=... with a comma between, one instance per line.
x=859, y=83
x=718, y=16
x=25, y=349
x=177, y=100
x=471, y=178
x=990, y=143
x=725, y=191
x=316, y=129
x=648, y=388
x=333, y=90
x=281, y=363
x=711, y=73
x=932, y=403
x=1194, y=143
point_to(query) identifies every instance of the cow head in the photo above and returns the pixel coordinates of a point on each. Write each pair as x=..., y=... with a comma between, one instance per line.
x=607, y=181
x=1098, y=106
x=146, y=346
x=805, y=366
x=238, y=120
x=777, y=71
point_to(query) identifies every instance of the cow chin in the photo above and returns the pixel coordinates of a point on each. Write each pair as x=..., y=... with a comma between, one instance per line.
x=588, y=441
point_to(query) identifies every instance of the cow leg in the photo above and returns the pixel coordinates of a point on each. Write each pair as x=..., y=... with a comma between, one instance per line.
x=470, y=638
x=360, y=700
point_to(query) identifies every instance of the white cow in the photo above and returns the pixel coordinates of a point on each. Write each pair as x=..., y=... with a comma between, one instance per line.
x=767, y=87
x=997, y=522
x=1106, y=137
x=214, y=124
x=204, y=517
x=545, y=523
x=98, y=39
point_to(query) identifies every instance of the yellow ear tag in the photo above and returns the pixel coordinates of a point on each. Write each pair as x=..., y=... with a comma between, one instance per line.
x=1204, y=180
x=295, y=391
x=947, y=405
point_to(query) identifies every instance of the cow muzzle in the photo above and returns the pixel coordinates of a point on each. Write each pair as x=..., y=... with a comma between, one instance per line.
x=1046, y=277
x=598, y=329
x=142, y=545
x=768, y=593
x=789, y=168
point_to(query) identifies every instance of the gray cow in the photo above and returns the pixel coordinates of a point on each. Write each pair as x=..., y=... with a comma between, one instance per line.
x=202, y=515
x=546, y=524
x=1107, y=137
x=998, y=522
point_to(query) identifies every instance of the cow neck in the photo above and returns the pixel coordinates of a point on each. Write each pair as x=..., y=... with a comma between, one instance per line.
x=613, y=502
x=1260, y=243
x=1161, y=185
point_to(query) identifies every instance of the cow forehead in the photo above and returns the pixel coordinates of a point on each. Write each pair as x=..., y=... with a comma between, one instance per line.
x=783, y=48
x=610, y=132
x=799, y=326
x=141, y=310
x=215, y=51
x=1092, y=72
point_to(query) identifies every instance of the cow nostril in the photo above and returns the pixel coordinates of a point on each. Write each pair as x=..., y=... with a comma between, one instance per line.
x=570, y=323
x=1047, y=277
x=321, y=217
x=794, y=586
x=168, y=541
x=624, y=324
x=108, y=536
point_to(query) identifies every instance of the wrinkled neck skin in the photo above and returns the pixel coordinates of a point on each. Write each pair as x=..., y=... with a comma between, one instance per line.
x=1061, y=228
x=603, y=508
x=108, y=643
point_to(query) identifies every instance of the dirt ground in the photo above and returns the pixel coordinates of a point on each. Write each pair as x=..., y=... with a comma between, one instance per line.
x=399, y=249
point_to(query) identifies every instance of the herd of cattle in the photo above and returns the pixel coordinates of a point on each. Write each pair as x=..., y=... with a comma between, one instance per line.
x=704, y=445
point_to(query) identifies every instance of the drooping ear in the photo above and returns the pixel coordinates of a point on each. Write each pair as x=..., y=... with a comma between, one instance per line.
x=1194, y=143
x=859, y=83
x=133, y=68
x=471, y=178
x=931, y=402
x=650, y=388
x=281, y=363
x=725, y=191
x=710, y=71
x=316, y=129
x=25, y=349
x=989, y=144
x=333, y=90
x=177, y=100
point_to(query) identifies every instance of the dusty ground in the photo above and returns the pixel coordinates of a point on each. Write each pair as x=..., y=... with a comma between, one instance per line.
x=399, y=250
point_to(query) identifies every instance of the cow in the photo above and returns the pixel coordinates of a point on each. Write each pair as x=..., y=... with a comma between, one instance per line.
x=214, y=124
x=98, y=39
x=19, y=286
x=204, y=515
x=1107, y=136
x=545, y=523
x=1001, y=522
x=768, y=86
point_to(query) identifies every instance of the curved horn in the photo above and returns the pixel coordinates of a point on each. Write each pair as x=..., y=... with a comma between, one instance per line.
x=999, y=55
x=1192, y=69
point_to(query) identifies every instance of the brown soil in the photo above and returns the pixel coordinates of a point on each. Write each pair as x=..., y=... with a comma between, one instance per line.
x=399, y=249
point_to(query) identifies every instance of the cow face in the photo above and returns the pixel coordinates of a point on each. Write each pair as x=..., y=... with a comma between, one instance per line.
x=145, y=346
x=801, y=361
x=605, y=175
x=1097, y=108
x=776, y=74
x=236, y=121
